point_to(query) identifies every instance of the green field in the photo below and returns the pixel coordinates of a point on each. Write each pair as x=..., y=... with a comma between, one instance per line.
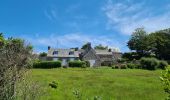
x=107, y=83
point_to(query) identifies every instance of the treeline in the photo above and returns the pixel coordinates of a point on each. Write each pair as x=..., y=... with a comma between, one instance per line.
x=143, y=44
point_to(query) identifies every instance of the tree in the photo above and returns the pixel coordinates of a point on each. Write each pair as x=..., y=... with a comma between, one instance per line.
x=86, y=46
x=160, y=44
x=139, y=42
x=15, y=55
x=43, y=54
x=156, y=44
x=1, y=40
x=101, y=47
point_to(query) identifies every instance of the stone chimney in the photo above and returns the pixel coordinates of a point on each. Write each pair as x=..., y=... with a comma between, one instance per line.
x=89, y=46
x=110, y=50
x=49, y=47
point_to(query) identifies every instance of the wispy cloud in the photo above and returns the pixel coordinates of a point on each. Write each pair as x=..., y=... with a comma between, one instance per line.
x=51, y=14
x=126, y=17
x=74, y=40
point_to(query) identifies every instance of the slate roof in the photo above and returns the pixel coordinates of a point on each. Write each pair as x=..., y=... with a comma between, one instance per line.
x=63, y=53
x=117, y=55
x=102, y=52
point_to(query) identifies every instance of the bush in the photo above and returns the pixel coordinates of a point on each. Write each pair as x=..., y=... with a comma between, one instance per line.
x=165, y=78
x=79, y=64
x=162, y=64
x=53, y=84
x=123, y=66
x=113, y=67
x=116, y=67
x=47, y=64
x=149, y=63
x=87, y=63
x=132, y=66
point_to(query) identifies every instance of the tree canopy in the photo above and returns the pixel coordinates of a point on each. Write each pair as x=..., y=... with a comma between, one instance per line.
x=157, y=43
x=101, y=47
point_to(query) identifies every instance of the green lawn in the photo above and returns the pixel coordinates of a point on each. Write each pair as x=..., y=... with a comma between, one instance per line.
x=109, y=84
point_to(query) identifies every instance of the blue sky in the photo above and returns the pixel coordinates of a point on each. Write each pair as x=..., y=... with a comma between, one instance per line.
x=71, y=23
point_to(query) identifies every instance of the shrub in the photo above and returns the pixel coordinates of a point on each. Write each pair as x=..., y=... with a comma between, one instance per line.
x=149, y=63
x=113, y=67
x=53, y=84
x=123, y=66
x=109, y=65
x=64, y=66
x=162, y=64
x=87, y=63
x=47, y=64
x=81, y=64
x=116, y=67
x=131, y=66
x=165, y=78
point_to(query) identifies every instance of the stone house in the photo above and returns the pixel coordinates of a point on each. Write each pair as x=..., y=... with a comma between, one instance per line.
x=98, y=57
x=63, y=55
x=95, y=57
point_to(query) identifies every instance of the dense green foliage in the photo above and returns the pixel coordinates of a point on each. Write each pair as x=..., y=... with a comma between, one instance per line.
x=162, y=64
x=15, y=56
x=165, y=78
x=85, y=46
x=87, y=63
x=107, y=83
x=132, y=65
x=156, y=44
x=160, y=44
x=101, y=47
x=43, y=54
x=149, y=63
x=138, y=41
x=2, y=40
x=80, y=64
x=47, y=64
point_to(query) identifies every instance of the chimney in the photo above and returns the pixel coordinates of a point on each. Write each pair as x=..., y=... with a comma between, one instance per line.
x=89, y=46
x=49, y=47
x=110, y=50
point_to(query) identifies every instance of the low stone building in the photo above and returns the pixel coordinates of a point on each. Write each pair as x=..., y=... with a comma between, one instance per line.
x=63, y=55
x=98, y=57
x=95, y=57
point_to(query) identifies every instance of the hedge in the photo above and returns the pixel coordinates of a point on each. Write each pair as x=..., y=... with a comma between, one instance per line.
x=47, y=64
x=133, y=65
x=163, y=64
x=81, y=64
x=149, y=63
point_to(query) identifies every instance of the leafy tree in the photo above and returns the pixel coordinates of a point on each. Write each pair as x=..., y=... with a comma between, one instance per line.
x=138, y=41
x=1, y=40
x=160, y=44
x=156, y=44
x=101, y=47
x=15, y=55
x=86, y=46
x=43, y=54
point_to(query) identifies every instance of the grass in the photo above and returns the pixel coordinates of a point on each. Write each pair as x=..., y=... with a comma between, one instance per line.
x=107, y=83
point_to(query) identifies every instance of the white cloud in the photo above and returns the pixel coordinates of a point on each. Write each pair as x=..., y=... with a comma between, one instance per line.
x=74, y=40
x=126, y=17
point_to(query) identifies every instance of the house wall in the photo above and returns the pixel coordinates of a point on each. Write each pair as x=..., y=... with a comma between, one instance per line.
x=64, y=60
x=90, y=56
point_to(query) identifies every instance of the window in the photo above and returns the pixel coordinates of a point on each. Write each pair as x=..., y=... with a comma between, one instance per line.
x=71, y=53
x=55, y=53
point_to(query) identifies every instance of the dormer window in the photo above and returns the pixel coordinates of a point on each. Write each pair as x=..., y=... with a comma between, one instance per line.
x=55, y=53
x=71, y=53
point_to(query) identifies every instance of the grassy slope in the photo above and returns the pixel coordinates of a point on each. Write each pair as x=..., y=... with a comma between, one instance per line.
x=109, y=84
